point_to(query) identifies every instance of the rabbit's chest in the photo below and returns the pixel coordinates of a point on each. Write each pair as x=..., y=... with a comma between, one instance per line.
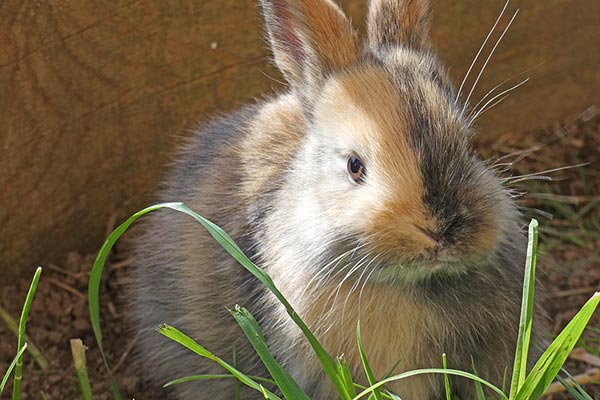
x=394, y=328
x=398, y=335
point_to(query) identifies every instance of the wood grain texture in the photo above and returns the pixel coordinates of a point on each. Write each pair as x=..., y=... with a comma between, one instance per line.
x=94, y=95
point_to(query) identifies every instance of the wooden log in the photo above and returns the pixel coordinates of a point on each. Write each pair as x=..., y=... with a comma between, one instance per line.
x=95, y=93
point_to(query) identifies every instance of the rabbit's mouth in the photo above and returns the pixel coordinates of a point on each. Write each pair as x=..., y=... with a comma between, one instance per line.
x=423, y=268
x=434, y=263
x=438, y=259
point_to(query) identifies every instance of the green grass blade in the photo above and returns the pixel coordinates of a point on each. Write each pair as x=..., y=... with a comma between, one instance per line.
x=394, y=396
x=446, y=379
x=583, y=395
x=425, y=371
x=478, y=387
x=289, y=388
x=551, y=361
x=328, y=363
x=32, y=349
x=504, y=379
x=385, y=394
x=525, y=323
x=94, y=288
x=21, y=337
x=594, y=330
x=368, y=371
x=78, y=351
x=345, y=374
x=575, y=391
x=217, y=376
x=11, y=367
x=391, y=371
x=590, y=345
x=238, y=385
x=264, y=392
x=577, y=386
x=184, y=340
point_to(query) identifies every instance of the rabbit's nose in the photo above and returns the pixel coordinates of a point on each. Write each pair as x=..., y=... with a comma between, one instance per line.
x=434, y=235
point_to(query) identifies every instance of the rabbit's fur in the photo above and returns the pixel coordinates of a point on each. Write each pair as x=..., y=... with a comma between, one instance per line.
x=425, y=250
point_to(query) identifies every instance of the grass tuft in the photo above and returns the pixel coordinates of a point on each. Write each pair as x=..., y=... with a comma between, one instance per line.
x=365, y=363
x=286, y=384
x=21, y=337
x=184, y=340
x=526, y=320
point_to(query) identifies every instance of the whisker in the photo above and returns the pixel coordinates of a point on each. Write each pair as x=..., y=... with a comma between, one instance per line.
x=490, y=56
x=462, y=84
x=533, y=178
x=487, y=94
x=326, y=268
x=559, y=134
x=542, y=213
x=520, y=154
x=337, y=292
x=357, y=283
x=347, y=265
x=271, y=78
x=501, y=169
x=504, y=93
x=500, y=165
x=506, y=81
x=355, y=268
x=489, y=108
x=548, y=171
x=567, y=199
x=373, y=269
x=338, y=286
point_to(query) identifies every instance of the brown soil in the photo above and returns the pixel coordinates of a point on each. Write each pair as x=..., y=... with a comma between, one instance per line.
x=60, y=313
x=569, y=269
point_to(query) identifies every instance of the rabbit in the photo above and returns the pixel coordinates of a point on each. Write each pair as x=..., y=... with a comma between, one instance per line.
x=358, y=191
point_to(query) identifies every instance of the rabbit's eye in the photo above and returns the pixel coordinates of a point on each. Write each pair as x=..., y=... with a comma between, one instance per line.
x=356, y=169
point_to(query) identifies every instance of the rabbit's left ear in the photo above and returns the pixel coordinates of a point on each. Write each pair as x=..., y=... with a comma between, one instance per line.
x=394, y=23
x=310, y=39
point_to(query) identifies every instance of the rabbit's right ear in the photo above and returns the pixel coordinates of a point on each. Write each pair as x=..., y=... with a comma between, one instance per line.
x=310, y=39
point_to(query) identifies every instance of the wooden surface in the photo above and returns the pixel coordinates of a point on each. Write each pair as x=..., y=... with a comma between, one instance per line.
x=95, y=93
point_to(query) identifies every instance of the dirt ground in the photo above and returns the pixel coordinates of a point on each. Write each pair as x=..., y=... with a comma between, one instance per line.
x=569, y=268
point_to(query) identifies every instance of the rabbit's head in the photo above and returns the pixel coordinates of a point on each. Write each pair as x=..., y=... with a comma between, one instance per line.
x=386, y=168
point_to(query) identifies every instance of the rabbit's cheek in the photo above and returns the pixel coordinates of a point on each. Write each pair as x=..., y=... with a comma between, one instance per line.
x=485, y=233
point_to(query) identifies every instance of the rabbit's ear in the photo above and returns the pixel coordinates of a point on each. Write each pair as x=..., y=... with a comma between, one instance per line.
x=310, y=39
x=398, y=23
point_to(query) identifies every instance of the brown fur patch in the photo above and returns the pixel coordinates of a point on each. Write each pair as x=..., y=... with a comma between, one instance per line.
x=395, y=328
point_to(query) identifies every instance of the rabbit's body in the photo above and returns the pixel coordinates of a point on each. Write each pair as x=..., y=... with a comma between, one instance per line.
x=359, y=194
